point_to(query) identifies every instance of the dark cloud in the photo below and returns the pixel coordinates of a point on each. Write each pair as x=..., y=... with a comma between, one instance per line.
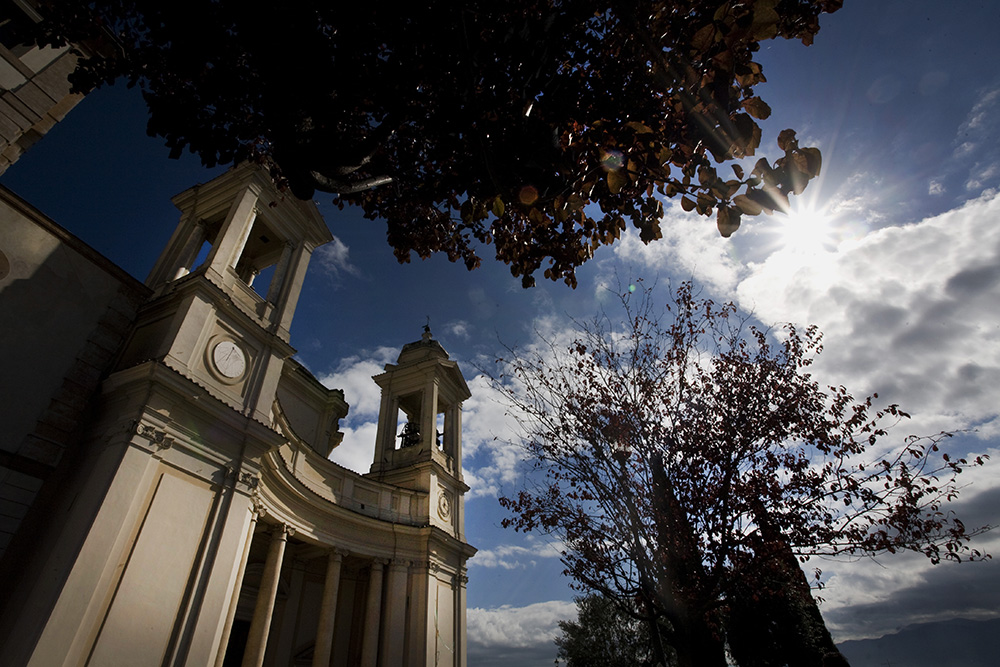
x=973, y=381
x=877, y=314
x=972, y=282
x=947, y=590
x=494, y=656
x=928, y=325
x=981, y=509
x=963, y=642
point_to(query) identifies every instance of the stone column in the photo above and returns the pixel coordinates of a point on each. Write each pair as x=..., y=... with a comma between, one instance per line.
x=291, y=289
x=281, y=271
x=373, y=612
x=253, y=656
x=227, y=628
x=189, y=252
x=328, y=610
x=453, y=436
x=235, y=230
x=180, y=252
x=428, y=414
x=385, y=437
x=395, y=615
x=287, y=611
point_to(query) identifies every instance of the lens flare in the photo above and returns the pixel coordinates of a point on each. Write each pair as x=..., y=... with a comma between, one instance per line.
x=806, y=229
x=612, y=160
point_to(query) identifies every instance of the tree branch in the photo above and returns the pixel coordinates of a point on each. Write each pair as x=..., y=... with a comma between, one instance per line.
x=340, y=187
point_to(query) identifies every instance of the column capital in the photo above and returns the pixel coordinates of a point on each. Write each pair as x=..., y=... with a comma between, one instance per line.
x=248, y=479
x=400, y=563
x=379, y=562
x=257, y=506
x=282, y=531
x=419, y=565
x=338, y=553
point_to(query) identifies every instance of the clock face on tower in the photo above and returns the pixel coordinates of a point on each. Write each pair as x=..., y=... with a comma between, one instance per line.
x=229, y=359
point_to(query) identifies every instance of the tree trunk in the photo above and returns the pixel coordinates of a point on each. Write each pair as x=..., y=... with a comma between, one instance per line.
x=774, y=619
x=697, y=639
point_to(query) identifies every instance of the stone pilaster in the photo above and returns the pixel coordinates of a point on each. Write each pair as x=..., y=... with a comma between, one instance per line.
x=394, y=635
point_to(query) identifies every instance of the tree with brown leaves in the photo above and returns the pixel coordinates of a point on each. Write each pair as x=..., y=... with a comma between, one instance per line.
x=687, y=458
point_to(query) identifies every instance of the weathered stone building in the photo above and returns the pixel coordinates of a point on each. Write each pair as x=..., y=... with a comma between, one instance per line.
x=165, y=492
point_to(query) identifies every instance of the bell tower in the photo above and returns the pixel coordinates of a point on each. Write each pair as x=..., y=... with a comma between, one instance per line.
x=226, y=286
x=419, y=439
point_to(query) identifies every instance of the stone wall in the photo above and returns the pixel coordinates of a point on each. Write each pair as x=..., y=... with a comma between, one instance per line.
x=65, y=311
x=34, y=83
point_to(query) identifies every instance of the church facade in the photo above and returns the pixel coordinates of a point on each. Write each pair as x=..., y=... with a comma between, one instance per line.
x=165, y=490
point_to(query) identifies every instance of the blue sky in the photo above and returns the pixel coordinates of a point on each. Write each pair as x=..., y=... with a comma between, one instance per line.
x=902, y=97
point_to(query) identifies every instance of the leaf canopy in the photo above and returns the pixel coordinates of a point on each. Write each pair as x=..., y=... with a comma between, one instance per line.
x=538, y=126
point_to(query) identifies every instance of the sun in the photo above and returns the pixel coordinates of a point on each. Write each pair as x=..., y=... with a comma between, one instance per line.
x=806, y=228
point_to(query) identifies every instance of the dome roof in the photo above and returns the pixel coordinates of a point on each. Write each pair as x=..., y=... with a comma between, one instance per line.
x=425, y=348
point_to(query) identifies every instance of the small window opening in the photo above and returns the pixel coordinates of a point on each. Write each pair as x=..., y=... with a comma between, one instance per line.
x=408, y=422
x=202, y=255
x=261, y=255
x=262, y=282
x=439, y=436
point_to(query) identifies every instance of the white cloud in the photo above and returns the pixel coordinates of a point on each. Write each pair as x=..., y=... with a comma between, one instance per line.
x=532, y=625
x=974, y=144
x=334, y=258
x=908, y=312
x=357, y=449
x=858, y=199
x=513, y=556
x=494, y=460
x=981, y=176
x=458, y=329
x=982, y=112
x=354, y=375
x=492, y=455
x=870, y=597
x=690, y=243
x=963, y=149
